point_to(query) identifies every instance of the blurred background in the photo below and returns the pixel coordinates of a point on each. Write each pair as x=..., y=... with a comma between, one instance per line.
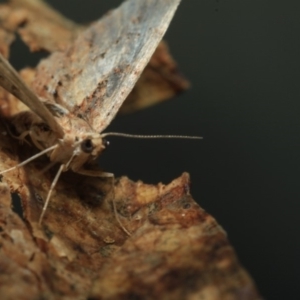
x=242, y=58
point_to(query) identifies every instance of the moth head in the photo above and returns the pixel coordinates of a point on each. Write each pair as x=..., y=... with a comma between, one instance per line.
x=93, y=145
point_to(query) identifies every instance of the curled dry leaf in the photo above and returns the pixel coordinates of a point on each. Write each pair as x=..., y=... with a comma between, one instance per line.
x=36, y=22
x=6, y=38
x=176, y=250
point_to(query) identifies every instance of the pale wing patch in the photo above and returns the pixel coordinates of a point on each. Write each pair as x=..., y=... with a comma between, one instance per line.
x=96, y=74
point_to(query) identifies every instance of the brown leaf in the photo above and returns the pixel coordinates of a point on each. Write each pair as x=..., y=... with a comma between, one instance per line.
x=36, y=22
x=176, y=250
x=6, y=38
x=10, y=105
x=25, y=269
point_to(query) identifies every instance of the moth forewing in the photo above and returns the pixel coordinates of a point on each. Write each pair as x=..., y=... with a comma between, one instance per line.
x=92, y=78
x=11, y=81
x=107, y=59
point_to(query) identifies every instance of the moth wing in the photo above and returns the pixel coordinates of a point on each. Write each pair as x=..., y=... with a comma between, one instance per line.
x=93, y=77
x=12, y=82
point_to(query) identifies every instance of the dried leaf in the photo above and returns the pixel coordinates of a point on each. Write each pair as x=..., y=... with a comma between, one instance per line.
x=25, y=269
x=10, y=105
x=6, y=38
x=176, y=250
x=12, y=82
x=36, y=22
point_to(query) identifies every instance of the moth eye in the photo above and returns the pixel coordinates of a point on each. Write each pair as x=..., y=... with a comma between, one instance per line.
x=87, y=146
x=105, y=143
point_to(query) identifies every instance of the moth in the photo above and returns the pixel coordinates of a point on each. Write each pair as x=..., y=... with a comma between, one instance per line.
x=119, y=47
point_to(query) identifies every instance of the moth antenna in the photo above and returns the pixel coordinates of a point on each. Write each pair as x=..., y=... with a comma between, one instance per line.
x=138, y=136
x=53, y=184
x=29, y=159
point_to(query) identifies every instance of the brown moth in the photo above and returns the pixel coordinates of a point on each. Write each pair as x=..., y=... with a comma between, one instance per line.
x=122, y=43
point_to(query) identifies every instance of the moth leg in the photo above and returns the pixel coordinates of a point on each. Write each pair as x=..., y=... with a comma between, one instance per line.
x=99, y=173
x=94, y=173
x=53, y=184
x=20, y=137
x=36, y=142
x=29, y=159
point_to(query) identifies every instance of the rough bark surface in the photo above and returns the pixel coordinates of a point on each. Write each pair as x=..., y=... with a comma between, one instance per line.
x=175, y=251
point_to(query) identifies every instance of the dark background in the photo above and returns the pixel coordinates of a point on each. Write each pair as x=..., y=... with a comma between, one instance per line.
x=242, y=58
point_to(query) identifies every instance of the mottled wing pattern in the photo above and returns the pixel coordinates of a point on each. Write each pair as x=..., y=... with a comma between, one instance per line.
x=93, y=77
